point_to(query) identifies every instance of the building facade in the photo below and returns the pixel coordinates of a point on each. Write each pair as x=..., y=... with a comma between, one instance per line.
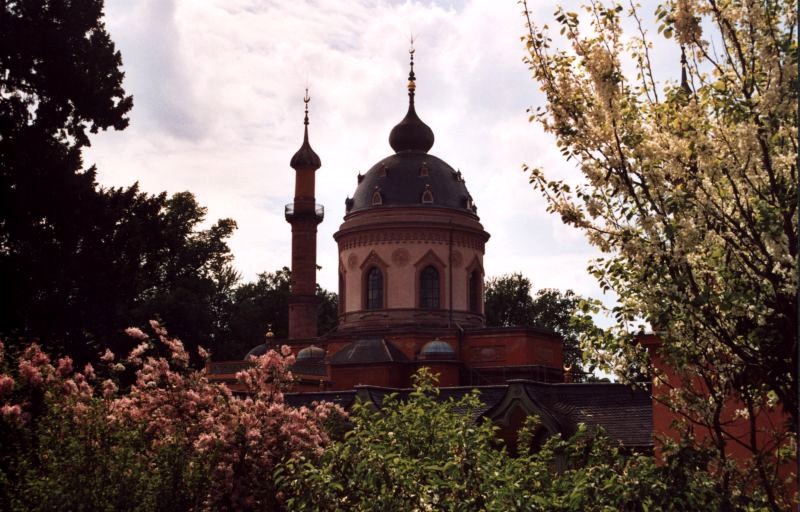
x=411, y=288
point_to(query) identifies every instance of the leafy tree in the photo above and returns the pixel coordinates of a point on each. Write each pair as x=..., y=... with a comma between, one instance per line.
x=509, y=302
x=59, y=80
x=691, y=190
x=423, y=453
x=134, y=256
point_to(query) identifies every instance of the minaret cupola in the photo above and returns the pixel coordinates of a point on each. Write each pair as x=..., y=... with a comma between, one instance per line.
x=304, y=215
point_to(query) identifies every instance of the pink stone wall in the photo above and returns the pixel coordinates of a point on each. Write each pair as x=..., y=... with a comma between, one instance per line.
x=401, y=279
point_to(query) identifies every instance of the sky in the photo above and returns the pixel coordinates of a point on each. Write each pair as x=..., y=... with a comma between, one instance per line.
x=218, y=111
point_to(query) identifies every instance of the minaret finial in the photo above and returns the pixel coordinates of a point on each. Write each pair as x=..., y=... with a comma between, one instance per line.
x=411, y=78
x=305, y=156
x=306, y=99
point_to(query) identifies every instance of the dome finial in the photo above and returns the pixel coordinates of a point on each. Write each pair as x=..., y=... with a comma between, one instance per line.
x=411, y=134
x=411, y=78
x=305, y=157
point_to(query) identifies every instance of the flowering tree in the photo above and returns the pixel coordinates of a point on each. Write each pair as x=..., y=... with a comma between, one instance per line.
x=691, y=190
x=172, y=440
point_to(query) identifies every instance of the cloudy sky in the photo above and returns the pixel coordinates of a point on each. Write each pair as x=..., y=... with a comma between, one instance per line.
x=218, y=110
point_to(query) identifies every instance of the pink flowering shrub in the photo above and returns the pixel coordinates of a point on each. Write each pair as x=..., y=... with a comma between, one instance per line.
x=73, y=439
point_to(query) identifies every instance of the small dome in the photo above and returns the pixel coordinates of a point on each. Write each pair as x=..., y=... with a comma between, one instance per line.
x=437, y=349
x=305, y=158
x=257, y=351
x=411, y=134
x=310, y=354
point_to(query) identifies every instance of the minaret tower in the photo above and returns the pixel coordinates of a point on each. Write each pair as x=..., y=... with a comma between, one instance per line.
x=304, y=215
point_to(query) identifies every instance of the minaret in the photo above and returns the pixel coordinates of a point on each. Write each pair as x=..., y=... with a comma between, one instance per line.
x=304, y=215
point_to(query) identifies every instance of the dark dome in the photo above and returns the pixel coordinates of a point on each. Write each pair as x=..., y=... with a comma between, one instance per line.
x=309, y=354
x=437, y=349
x=411, y=134
x=305, y=158
x=404, y=178
x=257, y=351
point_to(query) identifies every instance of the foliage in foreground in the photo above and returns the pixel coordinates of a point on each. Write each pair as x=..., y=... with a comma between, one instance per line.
x=172, y=441
x=421, y=453
x=71, y=440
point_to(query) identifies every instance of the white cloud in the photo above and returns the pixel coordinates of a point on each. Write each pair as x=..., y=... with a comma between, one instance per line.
x=217, y=87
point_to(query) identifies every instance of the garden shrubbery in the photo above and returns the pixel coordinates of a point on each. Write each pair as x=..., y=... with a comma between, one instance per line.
x=80, y=439
x=147, y=432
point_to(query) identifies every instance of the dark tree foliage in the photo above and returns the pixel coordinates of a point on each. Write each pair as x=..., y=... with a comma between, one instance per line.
x=264, y=304
x=79, y=263
x=510, y=302
x=59, y=79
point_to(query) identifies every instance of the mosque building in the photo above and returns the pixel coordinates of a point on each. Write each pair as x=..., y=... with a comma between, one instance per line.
x=411, y=285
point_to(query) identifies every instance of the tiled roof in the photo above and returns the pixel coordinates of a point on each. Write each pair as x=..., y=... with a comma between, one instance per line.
x=368, y=350
x=626, y=413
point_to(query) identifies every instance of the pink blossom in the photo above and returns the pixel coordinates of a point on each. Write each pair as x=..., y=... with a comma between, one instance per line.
x=136, y=354
x=64, y=366
x=203, y=353
x=109, y=388
x=174, y=405
x=79, y=410
x=35, y=355
x=2, y=352
x=30, y=373
x=160, y=331
x=88, y=371
x=286, y=350
x=12, y=413
x=136, y=333
x=69, y=387
x=6, y=384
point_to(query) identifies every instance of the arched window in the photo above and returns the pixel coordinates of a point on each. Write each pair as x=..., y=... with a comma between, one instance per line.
x=474, y=287
x=427, y=195
x=377, y=199
x=373, y=298
x=429, y=288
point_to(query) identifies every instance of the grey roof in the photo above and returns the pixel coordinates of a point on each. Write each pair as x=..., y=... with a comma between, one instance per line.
x=258, y=350
x=311, y=353
x=625, y=412
x=368, y=350
x=397, y=178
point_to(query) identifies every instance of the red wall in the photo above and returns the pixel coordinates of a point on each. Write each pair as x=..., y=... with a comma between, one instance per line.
x=768, y=421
